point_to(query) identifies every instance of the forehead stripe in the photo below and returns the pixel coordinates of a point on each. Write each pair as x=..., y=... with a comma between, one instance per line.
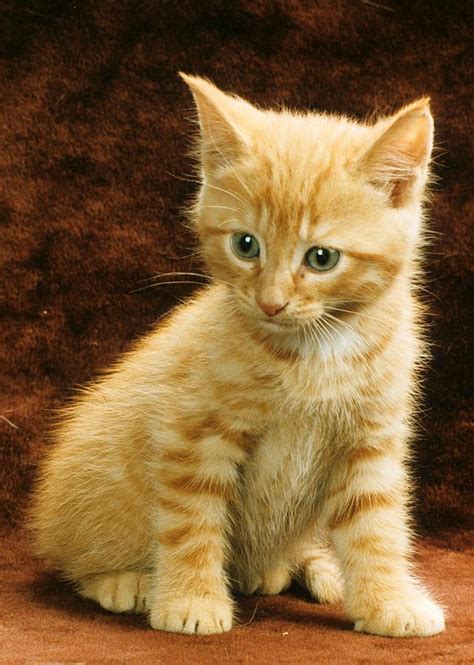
x=304, y=226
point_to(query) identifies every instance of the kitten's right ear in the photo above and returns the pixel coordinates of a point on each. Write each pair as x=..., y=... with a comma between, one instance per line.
x=225, y=123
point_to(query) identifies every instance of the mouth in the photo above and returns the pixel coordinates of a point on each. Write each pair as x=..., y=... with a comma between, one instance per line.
x=276, y=323
x=278, y=326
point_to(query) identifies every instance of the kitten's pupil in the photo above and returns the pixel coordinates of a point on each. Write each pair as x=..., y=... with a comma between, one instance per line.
x=322, y=256
x=245, y=243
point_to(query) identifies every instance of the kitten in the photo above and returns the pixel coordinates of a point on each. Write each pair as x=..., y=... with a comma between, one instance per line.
x=260, y=434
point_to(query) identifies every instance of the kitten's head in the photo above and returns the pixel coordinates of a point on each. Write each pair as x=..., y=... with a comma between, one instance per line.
x=304, y=215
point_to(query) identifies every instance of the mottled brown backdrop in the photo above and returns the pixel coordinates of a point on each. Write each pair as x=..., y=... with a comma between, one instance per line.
x=94, y=134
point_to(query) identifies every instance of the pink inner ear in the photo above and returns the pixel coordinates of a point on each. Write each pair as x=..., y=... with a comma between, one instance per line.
x=399, y=158
x=224, y=122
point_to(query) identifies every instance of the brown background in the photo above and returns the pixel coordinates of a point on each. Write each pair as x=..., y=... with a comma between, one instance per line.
x=94, y=134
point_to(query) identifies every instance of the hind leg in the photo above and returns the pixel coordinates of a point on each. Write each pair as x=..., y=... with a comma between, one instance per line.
x=118, y=591
x=271, y=582
x=317, y=570
x=321, y=576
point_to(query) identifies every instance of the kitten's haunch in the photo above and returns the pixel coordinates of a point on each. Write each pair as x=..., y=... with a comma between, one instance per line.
x=261, y=434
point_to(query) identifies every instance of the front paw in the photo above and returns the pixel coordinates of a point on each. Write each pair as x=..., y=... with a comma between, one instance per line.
x=410, y=617
x=193, y=615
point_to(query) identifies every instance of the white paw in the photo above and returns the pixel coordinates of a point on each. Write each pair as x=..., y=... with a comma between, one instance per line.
x=411, y=617
x=121, y=591
x=193, y=615
x=324, y=582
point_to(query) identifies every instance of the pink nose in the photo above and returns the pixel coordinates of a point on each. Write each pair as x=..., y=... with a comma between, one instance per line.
x=271, y=308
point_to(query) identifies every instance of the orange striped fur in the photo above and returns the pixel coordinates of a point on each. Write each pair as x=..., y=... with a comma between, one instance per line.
x=261, y=433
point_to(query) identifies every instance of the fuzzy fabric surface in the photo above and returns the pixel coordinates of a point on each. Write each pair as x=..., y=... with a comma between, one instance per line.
x=95, y=129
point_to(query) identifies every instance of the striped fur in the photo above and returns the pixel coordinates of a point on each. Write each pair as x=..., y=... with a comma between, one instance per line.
x=231, y=449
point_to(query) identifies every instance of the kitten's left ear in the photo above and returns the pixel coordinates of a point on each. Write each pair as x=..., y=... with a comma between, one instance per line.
x=225, y=122
x=398, y=160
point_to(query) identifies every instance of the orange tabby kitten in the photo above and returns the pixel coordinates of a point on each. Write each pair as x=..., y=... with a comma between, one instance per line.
x=261, y=433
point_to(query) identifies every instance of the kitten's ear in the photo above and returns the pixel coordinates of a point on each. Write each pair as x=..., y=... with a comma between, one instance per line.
x=225, y=122
x=398, y=160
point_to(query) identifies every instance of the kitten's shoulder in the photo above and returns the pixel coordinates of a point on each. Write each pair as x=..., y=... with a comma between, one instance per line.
x=182, y=326
x=199, y=311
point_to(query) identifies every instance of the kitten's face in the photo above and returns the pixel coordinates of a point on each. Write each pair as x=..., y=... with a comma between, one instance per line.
x=290, y=218
x=311, y=244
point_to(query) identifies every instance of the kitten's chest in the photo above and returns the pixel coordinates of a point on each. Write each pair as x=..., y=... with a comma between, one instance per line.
x=285, y=478
x=289, y=404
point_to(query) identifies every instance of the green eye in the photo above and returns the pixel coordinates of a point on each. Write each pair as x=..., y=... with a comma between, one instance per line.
x=245, y=246
x=322, y=259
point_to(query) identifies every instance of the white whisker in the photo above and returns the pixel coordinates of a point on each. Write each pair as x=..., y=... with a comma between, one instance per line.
x=218, y=207
x=361, y=312
x=182, y=274
x=197, y=181
x=340, y=322
x=175, y=273
x=226, y=191
x=320, y=334
x=227, y=221
x=176, y=281
x=313, y=336
x=330, y=327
